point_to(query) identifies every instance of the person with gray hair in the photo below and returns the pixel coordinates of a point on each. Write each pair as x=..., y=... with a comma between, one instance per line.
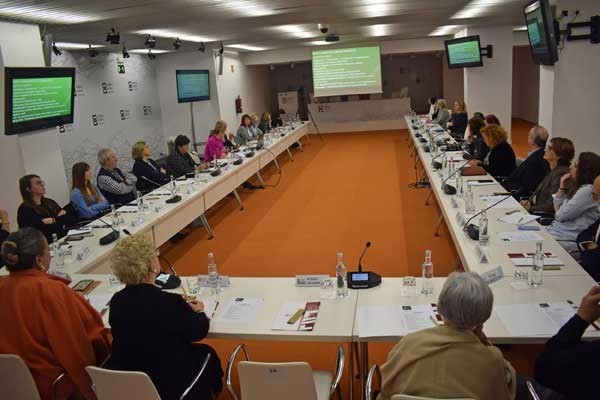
x=116, y=186
x=453, y=359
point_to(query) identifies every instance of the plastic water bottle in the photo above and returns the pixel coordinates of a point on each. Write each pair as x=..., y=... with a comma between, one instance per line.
x=173, y=186
x=213, y=275
x=340, y=274
x=427, y=286
x=483, y=229
x=537, y=270
x=469, y=203
x=139, y=202
x=459, y=185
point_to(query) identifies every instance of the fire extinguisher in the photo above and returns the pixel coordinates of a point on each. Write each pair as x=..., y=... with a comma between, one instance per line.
x=238, y=105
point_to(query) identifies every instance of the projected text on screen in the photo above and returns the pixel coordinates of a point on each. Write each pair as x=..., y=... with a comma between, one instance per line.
x=346, y=71
x=467, y=52
x=39, y=98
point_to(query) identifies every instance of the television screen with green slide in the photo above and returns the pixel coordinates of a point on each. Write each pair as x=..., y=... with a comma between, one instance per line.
x=38, y=98
x=463, y=52
x=346, y=71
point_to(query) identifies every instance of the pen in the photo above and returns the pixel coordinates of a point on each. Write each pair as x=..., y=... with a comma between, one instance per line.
x=512, y=212
x=519, y=221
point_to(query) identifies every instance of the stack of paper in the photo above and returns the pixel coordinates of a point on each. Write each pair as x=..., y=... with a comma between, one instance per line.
x=393, y=320
x=544, y=319
x=518, y=218
x=520, y=236
x=240, y=310
x=285, y=321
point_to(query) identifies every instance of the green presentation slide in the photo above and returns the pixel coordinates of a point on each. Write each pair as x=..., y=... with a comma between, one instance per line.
x=346, y=71
x=466, y=52
x=533, y=31
x=39, y=98
x=192, y=85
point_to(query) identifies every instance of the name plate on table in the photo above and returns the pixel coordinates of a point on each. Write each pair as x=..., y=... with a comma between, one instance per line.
x=482, y=254
x=454, y=203
x=138, y=221
x=310, y=280
x=223, y=281
x=159, y=207
x=461, y=219
x=84, y=253
x=493, y=275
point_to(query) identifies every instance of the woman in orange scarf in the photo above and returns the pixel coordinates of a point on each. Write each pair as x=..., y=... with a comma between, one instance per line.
x=51, y=327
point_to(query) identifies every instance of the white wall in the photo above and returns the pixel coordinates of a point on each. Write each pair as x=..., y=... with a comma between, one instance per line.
x=577, y=85
x=488, y=89
x=546, y=101
x=251, y=83
x=37, y=152
x=176, y=117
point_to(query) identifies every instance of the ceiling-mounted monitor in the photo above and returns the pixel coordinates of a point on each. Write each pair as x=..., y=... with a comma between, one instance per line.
x=540, y=30
x=464, y=52
x=192, y=85
x=37, y=98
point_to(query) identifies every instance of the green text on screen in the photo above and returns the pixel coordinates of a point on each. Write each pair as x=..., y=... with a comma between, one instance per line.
x=346, y=71
x=467, y=52
x=192, y=85
x=39, y=98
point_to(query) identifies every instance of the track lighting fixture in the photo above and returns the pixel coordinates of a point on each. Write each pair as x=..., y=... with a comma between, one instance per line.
x=125, y=53
x=113, y=37
x=202, y=47
x=177, y=44
x=150, y=42
x=150, y=55
x=92, y=52
x=56, y=50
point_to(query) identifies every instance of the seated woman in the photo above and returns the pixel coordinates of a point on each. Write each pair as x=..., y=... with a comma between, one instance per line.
x=453, y=360
x=500, y=160
x=154, y=331
x=86, y=200
x=214, y=146
x=42, y=213
x=265, y=122
x=476, y=146
x=117, y=186
x=149, y=175
x=559, y=153
x=432, y=110
x=458, y=121
x=491, y=119
x=180, y=162
x=574, y=205
x=443, y=115
x=255, y=129
x=276, y=120
x=245, y=132
x=50, y=326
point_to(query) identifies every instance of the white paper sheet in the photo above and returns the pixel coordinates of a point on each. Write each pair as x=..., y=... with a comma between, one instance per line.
x=476, y=183
x=392, y=320
x=240, y=310
x=210, y=307
x=518, y=218
x=509, y=202
x=535, y=319
x=520, y=236
x=287, y=310
x=184, y=182
x=79, y=231
x=128, y=209
x=161, y=192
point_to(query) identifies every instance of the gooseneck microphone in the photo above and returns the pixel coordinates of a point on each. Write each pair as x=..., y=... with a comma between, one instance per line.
x=449, y=189
x=173, y=199
x=110, y=237
x=362, y=255
x=472, y=229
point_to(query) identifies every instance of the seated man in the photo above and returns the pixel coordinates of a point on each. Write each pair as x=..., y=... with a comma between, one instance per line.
x=568, y=365
x=116, y=186
x=453, y=360
x=526, y=178
x=588, y=241
x=180, y=162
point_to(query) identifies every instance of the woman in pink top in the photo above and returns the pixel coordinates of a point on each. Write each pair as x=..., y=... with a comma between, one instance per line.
x=214, y=146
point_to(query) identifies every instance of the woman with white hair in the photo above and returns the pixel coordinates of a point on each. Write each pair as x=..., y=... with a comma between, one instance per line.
x=453, y=360
x=117, y=186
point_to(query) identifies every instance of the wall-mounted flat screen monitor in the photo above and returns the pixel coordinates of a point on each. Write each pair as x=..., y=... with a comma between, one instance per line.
x=464, y=52
x=192, y=85
x=540, y=30
x=37, y=98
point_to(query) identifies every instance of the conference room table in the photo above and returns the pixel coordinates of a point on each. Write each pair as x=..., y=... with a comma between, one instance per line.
x=161, y=220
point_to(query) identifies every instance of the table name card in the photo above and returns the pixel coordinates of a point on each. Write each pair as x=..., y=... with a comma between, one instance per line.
x=223, y=281
x=482, y=254
x=138, y=221
x=84, y=253
x=493, y=275
x=454, y=203
x=461, y=219
x=310, y=280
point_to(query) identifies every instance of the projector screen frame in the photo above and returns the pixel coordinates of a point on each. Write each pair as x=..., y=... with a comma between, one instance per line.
x=11, y=73
x=550, y=56
x=464, y=39
x=345, y=47
x=190, y=71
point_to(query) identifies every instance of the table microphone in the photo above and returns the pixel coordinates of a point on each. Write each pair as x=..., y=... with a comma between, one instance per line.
x=360, y=279
x=437, y=165
x=449, y=189
x=173, y=199
x=472, y=229
x=110, y=237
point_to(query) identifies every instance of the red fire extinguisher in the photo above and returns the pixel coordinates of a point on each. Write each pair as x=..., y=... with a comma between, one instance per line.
x=238, y=105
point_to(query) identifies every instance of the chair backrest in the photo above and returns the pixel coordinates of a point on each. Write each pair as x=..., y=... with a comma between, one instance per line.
x=408, y=397
x=16, y=381
x=276, y=381
x=121, y=385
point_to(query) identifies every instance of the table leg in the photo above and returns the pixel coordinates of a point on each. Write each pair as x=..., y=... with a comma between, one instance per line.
x=436, y=233
x=428, y=196
x=351, y=369
x=260, y=179
x=237, y=197
x=363, y=368
x=290, y=154
x=300, y=145
x=307, y=138
x=206, y=226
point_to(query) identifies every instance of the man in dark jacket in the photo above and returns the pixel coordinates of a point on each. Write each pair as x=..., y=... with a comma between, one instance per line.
x=526, y=178
x=180, y=162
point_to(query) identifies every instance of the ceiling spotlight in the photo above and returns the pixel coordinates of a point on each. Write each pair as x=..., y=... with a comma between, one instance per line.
x=150, y=42
x=202, y=47
x=92, y=52
x=125, y=53
x=150, y=55
x=55, y=50
x=177, y=44
x=221, y=49
x=292, y=65
x=113, y=37
x=272, y=67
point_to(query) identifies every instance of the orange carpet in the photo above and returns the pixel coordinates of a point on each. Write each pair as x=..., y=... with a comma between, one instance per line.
x=334, y=197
